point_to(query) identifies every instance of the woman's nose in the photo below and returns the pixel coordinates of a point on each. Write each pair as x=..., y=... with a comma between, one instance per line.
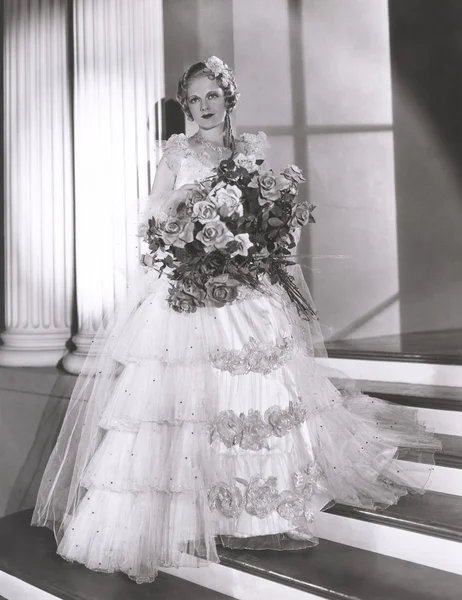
x=204, y=106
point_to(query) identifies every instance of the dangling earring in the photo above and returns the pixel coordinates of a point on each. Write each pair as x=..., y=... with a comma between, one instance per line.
x=228, y=136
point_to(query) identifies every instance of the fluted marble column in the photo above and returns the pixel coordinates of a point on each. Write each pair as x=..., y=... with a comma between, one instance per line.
x=119, y=78
x=38, y=184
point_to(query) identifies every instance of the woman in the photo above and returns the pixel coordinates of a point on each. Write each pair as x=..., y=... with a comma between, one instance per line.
x=215, y=426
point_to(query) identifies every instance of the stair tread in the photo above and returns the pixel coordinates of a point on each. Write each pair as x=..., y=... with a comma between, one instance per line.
x=410, y=389
x=449, y=456
x=337, y=571
x=330, y=570
x=433, y=513
x=437, y=347
x=436, y=397
x=29, y=553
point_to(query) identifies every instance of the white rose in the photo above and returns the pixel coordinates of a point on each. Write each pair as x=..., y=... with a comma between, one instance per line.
x=228, y=200
x=246, y=162
x=205, y=211
x=244, y=244
x=214, y=234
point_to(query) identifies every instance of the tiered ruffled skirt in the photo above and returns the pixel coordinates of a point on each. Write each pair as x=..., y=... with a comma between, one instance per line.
x=220, y=425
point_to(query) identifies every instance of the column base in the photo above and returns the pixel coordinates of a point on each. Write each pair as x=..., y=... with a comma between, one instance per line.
x=38, y=349
x=75, y=362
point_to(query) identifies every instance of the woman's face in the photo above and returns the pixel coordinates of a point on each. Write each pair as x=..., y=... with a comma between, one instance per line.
x=206, y=102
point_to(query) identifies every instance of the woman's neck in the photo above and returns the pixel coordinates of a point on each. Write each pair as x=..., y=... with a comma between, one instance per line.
x=212, y=136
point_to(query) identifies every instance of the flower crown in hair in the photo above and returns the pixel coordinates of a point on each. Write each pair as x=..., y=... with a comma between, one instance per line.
x=218, y=67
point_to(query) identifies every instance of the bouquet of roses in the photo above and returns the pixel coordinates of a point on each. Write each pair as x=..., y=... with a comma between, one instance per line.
x=230, y=230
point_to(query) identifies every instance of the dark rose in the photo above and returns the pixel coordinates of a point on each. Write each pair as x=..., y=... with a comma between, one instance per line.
x=301, y=214
x=222, y=290
x=181, y=302
x=186, y=297
x=197, y=293
x=271, y=187
x=295, y=173
x=229, y=169
x=177, y=231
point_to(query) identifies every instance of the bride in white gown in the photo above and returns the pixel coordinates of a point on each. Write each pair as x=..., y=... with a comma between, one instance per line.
x=216, y=426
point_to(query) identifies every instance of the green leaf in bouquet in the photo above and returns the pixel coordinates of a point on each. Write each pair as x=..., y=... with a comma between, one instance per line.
x=232, y=246
x=251, y=194
x=276, y=210
x=168, y=260
x=181, y=254
x=275, y=222
x=197, y=246
x=245, y=179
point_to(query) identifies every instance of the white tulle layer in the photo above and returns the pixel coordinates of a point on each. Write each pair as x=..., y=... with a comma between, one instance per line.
x=143, y=492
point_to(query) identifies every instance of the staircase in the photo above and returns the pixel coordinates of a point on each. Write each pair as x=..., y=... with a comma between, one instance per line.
x=411, y=551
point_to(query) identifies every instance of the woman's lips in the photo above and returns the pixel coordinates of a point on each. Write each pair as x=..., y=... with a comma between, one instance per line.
x=207, y=116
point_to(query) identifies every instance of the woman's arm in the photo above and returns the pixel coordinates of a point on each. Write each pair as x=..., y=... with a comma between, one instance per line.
x=163, y=198
x=164, y=181
x=161, y=191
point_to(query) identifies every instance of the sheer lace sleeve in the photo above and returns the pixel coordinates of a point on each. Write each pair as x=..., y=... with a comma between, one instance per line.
x=254, y=143
x=161, y=192
x=173, y=152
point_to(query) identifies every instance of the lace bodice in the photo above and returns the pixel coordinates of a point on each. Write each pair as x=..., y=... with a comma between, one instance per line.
x=189, y=165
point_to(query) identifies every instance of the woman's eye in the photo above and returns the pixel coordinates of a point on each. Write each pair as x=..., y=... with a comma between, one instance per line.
x=192, y=100
x=213, y=95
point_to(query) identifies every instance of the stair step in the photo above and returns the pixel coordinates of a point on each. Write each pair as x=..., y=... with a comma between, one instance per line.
x=436, y=397
x=339, y=572
x=436, y=347
x=411, y=389
x=29, y=554
x=434, y=514
x=439, y=406
x=450, y=456
x=435, y=403
x=329, y=570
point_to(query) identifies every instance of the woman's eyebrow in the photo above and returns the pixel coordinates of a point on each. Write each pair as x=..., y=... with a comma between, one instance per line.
x=208, y=92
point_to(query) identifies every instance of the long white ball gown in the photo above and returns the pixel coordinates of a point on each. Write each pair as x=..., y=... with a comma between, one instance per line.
x=214, y=426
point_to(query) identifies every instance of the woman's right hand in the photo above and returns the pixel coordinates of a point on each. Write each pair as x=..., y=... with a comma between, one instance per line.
x=182, y=192
x=180, y=195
